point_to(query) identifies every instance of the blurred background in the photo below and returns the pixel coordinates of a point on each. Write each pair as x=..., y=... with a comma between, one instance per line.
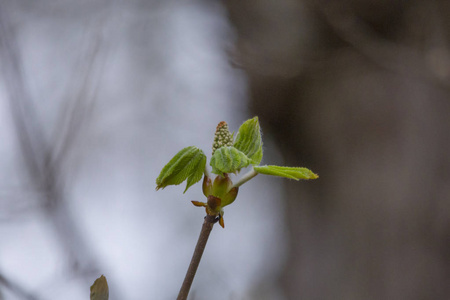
x=97, y=96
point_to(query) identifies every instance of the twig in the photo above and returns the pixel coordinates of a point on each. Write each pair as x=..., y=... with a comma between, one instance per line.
x=198, y=252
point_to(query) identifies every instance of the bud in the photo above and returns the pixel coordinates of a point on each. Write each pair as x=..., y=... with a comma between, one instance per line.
x=221, y=188
x=222, y=137
x=207, y=186
x=219, y=194
x=230, y=196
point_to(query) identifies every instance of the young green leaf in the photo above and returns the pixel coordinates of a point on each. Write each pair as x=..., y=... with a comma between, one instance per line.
x=288, y=172
x=248, y=140
x=99, y=290
x=228, y=160
x=188, y=164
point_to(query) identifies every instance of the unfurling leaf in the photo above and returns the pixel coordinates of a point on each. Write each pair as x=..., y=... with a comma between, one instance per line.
x=99, y=290
x=228, y=160
x=288, y=172
x=248, y=140
x=188, y=164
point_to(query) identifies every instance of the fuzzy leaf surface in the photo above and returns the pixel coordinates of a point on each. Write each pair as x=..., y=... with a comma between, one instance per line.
x=287, y=172
x=248, y=140
x=188, y=164
x=228, y=160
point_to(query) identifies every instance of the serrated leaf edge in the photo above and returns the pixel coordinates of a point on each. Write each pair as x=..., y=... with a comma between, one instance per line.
x=295, y=173
x=251, y=147
x=178, y=171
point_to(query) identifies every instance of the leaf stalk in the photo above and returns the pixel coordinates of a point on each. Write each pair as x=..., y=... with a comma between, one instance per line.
x=246, y=177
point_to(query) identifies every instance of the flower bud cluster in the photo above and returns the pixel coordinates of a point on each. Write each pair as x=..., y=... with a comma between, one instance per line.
x=222, y=137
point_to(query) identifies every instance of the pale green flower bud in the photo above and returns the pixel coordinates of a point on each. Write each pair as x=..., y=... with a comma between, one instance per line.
x=222, y=137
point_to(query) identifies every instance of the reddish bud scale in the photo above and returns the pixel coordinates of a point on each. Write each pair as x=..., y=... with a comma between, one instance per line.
x=219, y=194
x=214, y=205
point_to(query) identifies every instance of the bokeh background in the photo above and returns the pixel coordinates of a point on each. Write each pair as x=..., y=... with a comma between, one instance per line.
x=96, y=96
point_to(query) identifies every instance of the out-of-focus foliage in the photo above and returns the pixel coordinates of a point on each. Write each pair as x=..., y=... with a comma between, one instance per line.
x=99, y=289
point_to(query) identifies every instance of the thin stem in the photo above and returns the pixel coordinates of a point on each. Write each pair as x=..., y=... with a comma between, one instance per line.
x=198, y=252
x=246, y=177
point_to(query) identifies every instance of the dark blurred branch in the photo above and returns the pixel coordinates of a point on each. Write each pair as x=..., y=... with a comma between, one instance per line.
x=31, y=140
x=45, y=177
x=392, y=56
x=16, y=203
x=82, y=93
x=15, y=288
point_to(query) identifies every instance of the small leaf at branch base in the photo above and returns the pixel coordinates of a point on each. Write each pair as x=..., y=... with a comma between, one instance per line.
x=188, y=164
x=288, y=172
x=221, y=221
x=99, y=290
x=198, y=203
x=228, y=160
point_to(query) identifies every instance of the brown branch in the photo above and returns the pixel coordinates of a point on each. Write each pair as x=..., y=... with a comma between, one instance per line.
x=198, y=252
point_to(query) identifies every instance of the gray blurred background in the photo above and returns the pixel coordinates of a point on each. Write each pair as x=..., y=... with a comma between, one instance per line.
x=96, y=96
